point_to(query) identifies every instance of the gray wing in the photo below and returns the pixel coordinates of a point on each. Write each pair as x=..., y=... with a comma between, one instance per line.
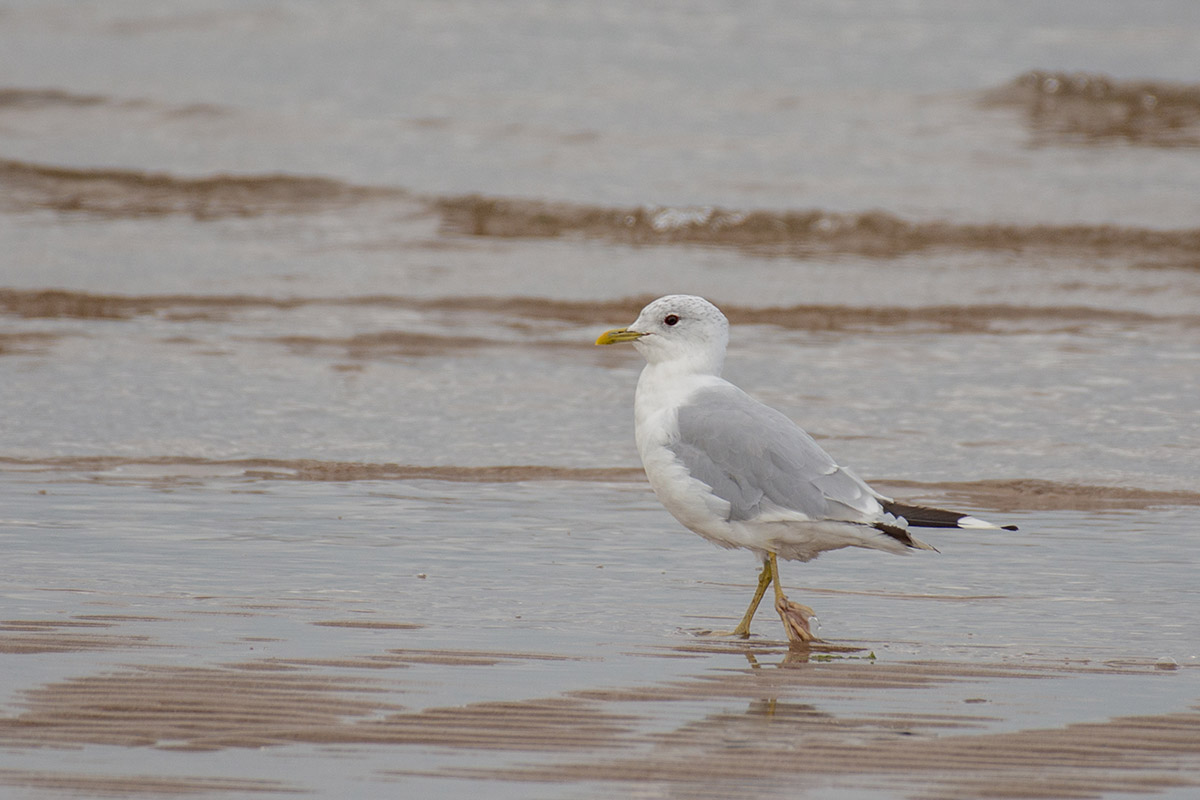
x=754, y=457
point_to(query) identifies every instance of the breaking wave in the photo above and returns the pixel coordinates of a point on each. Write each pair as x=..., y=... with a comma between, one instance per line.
x=133, y=193
x=1086, y=108
x=795, y=233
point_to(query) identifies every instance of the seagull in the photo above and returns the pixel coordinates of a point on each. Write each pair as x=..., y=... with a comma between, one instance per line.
x=742, y=474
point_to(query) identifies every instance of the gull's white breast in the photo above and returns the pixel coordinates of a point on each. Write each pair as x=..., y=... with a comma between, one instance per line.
x=691, y=501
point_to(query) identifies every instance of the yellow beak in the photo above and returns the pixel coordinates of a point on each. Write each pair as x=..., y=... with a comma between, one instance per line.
x=618, y=335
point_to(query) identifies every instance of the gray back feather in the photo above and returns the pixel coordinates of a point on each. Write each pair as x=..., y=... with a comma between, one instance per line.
x=752, y=455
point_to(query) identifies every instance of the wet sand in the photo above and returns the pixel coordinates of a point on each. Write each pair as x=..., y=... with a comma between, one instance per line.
x=518, y=669
x=772, y=725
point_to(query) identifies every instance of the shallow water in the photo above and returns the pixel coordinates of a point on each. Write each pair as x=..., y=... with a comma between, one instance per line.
x=311, y=479
x=211, y=616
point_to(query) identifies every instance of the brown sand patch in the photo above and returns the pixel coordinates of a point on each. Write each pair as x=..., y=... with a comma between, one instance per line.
x=29, y=636
x=471, y=657
x=548, y=725
x=407, y=658
x=217, y=708
x=92, y=785
x=70, y=643
x=951, y=319
x=118, y=618
x=49, y=624
x=56, y=303
x=1037, y=495
x=189, y=468
x=348, y=471
x=187, y=708
x=375, y=625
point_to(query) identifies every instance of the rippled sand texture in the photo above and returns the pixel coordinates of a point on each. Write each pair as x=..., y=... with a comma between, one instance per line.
x=312, y=482
x=768, y=725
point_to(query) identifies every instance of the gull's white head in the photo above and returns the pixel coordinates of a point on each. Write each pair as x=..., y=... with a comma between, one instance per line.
x=681, y=329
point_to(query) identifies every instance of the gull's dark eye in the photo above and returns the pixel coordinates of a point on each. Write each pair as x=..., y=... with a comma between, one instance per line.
x=671, y=319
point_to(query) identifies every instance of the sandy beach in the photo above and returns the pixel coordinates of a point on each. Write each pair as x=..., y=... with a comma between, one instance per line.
x=313, y=483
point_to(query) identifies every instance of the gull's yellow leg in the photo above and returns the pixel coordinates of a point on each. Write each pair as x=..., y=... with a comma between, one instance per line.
x=794, y=615
x=743, y=627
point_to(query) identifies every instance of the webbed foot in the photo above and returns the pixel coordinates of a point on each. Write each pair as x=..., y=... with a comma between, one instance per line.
x=796, y=618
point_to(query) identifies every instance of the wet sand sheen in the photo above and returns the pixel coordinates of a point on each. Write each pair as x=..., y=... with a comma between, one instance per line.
x=610, y=735
x=1132, y=754
x=703, y=718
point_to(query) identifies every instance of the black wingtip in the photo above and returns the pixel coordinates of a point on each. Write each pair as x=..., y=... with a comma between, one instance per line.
x=926, y=517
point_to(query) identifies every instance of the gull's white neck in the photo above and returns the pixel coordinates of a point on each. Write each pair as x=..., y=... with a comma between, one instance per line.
x=664, y=386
